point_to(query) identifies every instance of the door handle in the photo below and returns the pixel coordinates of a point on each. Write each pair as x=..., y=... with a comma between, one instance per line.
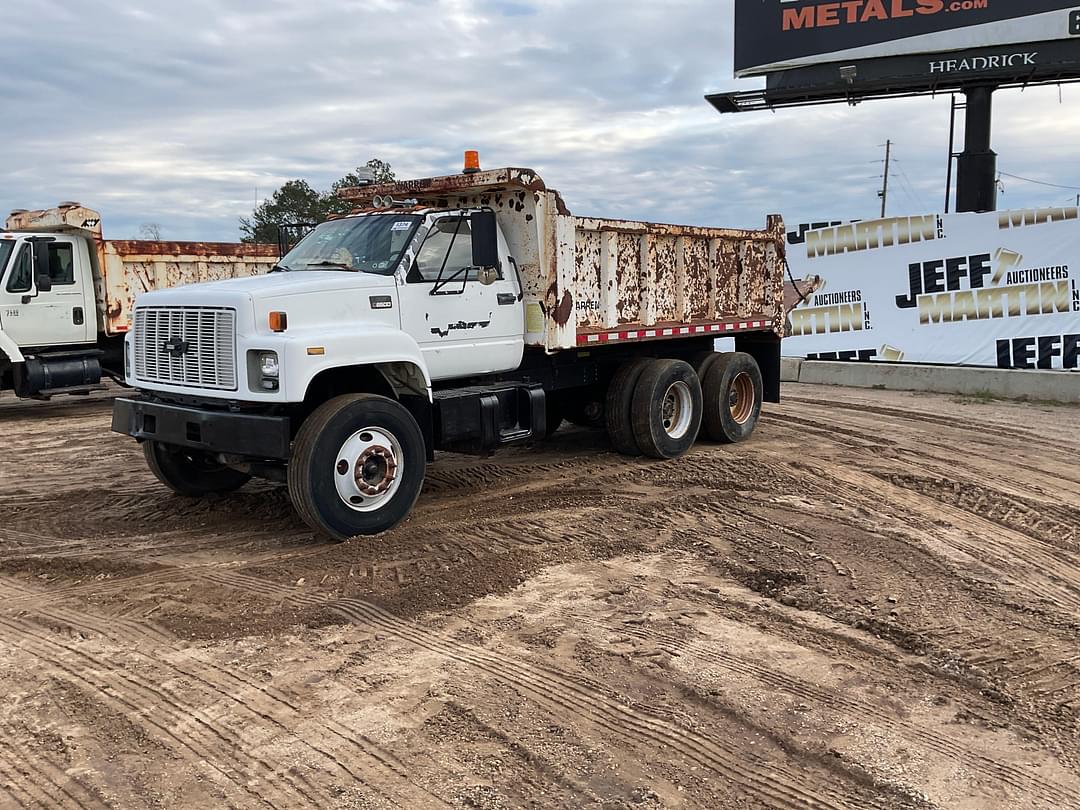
x=507, y=299
x=77, y=316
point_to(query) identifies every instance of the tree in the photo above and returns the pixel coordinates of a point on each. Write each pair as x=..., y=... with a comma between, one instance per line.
x=294, y=202
x=150, y=231
x=297, y=202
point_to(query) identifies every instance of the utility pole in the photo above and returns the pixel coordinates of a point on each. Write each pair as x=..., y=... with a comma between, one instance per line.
x=884, y=193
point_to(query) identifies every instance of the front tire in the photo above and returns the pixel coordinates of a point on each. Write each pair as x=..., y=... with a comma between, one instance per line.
x=667, y=409
x=357, y=467
x=190, y=473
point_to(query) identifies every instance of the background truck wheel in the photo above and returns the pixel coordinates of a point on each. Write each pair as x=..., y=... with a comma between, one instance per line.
x=667, y=409
x=733, y=388
x=618, y=409
x=189, y=472
x=584, y=408
x=357, y=467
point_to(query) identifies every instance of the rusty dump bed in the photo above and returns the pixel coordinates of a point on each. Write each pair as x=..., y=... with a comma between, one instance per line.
x=125, y=268
x=589, y=281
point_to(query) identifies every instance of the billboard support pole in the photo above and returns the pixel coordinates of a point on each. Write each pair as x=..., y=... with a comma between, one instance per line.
x=976, y=167
x=952, y=154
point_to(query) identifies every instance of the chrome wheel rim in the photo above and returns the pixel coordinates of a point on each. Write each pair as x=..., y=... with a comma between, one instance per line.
x=677, y=411
x=368, y=469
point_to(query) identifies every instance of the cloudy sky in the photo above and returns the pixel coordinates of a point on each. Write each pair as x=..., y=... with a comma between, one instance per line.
x=183, y=114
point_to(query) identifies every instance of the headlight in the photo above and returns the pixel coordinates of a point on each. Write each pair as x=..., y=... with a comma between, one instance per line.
x=268, y=365
x=264, y=371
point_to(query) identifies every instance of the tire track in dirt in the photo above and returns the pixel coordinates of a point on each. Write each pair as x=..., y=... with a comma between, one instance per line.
x=189, y=729
x=1041, y=574
x=43, y=783
x=257, y=703
x=986, y=768
x=563, y=694
x=149, y=642
x=1004, y=431
x=986, y=441
x=1009, y=654
x=1052, y=527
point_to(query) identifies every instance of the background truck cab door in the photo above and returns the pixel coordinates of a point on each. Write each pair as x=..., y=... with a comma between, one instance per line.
x=464, y=326
x=36, y=317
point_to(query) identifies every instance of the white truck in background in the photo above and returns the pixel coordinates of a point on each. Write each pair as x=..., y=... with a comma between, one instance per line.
x=463, y=314
x=67, y=294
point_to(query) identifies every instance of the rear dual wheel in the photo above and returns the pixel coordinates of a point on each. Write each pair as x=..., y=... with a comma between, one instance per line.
x=732, y=388
x=653, y=408
x=657, y=407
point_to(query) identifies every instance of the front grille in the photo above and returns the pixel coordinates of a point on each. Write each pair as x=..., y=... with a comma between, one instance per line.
x=192, y=347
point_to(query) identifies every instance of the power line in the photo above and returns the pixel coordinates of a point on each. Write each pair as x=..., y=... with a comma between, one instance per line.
x=1038, y=182
x=911, y=186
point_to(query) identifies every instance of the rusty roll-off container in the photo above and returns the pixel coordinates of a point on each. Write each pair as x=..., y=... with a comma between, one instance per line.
x=590, y=281
x=124, y=268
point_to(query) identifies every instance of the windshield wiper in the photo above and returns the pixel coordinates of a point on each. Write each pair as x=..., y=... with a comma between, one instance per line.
x=333, y=265
x=280, y=268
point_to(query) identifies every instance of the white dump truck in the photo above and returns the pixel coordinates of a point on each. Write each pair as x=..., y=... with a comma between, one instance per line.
x=67, y=295
x=464, y=314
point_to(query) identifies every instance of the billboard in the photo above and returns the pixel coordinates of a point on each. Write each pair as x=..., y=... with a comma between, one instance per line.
x=773, y=35
x=999, y=289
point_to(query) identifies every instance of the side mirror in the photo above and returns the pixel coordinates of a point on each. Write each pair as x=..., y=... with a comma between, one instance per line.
x=485, y=239
x=41, y=265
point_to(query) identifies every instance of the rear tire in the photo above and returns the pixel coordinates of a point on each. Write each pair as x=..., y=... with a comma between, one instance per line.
x=191, y=473
x=357, y=467
x=667, y=409
x=702, y=361
x=733, y=389
x=618, y=410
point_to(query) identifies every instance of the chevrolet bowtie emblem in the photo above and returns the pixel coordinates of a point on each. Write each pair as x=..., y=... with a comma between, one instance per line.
x=176, y=347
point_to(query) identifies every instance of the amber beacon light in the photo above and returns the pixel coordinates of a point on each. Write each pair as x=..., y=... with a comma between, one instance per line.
x=472, y=162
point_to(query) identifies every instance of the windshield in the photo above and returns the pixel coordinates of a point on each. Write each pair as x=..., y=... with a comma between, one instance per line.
x=369, y=244
x=6, y=246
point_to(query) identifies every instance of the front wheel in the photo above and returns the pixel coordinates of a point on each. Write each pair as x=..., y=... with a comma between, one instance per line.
x=357, y=467
x=190, y=472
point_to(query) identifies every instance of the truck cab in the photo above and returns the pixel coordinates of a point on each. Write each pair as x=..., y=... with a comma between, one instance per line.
x=67, y=294
x=47, y=308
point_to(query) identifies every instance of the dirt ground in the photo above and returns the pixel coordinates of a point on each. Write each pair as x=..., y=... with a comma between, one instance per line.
x=873, y=604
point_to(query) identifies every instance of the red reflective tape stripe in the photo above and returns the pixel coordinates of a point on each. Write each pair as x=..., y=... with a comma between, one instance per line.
x=674, y=331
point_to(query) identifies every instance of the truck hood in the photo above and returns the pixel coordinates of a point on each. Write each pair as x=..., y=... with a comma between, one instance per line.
x=271, y=286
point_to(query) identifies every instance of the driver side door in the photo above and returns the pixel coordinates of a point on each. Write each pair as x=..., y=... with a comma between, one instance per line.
x=36, y=318
x=463, y=326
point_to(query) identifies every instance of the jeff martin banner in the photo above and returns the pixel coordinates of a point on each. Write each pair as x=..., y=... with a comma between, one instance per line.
x=1000, y=289
x=780, y=34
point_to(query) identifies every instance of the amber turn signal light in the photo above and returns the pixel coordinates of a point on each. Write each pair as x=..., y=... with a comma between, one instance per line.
x=279, y=321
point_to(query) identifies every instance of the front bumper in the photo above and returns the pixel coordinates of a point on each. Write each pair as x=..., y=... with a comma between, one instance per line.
x=263, y=437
